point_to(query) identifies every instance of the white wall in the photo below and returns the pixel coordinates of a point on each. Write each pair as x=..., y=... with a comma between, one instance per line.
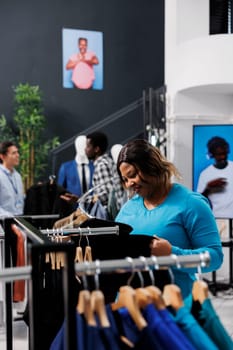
x=198, y=77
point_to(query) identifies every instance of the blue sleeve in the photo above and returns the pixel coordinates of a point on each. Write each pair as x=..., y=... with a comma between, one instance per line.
x=61, y=180
x=201, y=228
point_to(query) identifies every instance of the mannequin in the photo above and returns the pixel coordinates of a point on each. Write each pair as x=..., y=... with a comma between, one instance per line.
x=115, y=204
x=70, y=173
x=115, y=150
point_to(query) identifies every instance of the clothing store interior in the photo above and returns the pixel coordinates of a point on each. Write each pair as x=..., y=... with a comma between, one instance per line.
x=116, y=164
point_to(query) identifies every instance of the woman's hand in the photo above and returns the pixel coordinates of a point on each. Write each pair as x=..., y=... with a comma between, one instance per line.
x=160, y=247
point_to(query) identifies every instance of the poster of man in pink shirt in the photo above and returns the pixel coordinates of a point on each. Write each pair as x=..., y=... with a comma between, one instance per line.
x=82, y=66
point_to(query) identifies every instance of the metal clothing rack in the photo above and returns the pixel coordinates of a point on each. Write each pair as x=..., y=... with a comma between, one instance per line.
x=36, y=238
x=113, y=266
x=42, y=244
x=142, y=264
x=117, y=265
x=83, y=231
x=39, y=239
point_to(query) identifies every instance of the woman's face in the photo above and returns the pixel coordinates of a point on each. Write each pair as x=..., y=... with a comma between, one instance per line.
x=136, y=181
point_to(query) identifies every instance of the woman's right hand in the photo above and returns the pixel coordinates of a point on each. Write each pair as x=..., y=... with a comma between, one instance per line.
x=160, y=247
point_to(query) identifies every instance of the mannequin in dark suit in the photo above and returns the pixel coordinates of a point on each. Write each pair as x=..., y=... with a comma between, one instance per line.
x=70, y=173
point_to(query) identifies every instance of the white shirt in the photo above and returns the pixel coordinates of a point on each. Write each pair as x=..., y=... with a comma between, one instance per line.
x=11, y=192
x=222, y=202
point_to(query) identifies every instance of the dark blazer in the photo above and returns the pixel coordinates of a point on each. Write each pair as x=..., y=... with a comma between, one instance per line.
x=44, y=198
x=68, y=177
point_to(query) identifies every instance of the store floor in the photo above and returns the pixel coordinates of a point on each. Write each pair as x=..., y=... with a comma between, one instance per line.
x=223, y=304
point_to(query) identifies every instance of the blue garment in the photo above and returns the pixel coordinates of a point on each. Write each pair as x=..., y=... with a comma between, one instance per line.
x=116, y=326
x=186, y=221
x=168, y=337
x=81, y=333
x=109, y=339
x=68, y=177
x=213, y=326
x=175, y=329
x=193, y=330
x=11, y=192
x=135, y=336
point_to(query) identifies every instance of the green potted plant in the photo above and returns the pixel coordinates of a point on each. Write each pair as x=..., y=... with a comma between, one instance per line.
x=27, y=131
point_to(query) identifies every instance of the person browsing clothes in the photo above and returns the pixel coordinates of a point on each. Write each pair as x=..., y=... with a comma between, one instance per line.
x=179, y=220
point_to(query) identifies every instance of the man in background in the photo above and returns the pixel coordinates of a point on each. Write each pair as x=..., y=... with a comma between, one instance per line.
x=216, y=181
x=12, y=204
x=11, y=185
x=105, y=176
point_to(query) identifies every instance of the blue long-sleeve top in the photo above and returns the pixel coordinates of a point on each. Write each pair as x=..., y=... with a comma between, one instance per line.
x=184, y=219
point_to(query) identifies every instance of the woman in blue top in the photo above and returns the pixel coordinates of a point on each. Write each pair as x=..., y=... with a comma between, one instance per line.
x=181, y=219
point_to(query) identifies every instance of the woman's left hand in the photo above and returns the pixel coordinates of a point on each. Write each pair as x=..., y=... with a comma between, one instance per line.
x=160, y=247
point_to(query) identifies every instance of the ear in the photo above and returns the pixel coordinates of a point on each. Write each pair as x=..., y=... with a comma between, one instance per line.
x=97, y=150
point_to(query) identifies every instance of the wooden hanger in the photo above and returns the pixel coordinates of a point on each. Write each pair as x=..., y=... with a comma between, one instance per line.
x=172, y=296
x=156, y=297
x=99, y=308
x=79, y=255
x=52, y=256
x=127, y=299
x=200, y=291
x=84, y=307
x=143, y=297
x=88, y=254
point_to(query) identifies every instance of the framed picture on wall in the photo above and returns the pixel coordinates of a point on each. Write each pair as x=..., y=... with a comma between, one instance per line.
x=82, y=59
x=213, y=166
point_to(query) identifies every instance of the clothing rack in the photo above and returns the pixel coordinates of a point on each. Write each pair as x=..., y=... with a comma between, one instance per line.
x=142, y=263
x=117, y=265
x=84, y=231
x=41, y=244
x=87, y=268
x=38, y=238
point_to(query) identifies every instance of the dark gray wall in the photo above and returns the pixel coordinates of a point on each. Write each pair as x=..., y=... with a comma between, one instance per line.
x=31, y=51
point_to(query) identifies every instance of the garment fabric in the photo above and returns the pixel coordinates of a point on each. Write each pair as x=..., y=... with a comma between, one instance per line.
x=83, y=74
x=168, y=335
x=11, y=193
x=106, y=178
x=50, y=296
x=175, y=329
x=211, y=323
x=69, y=176
x=189, y=325
x=88, y=337
x=128, y=330
x=44, y=199
x=180, y=219
x=222, y=202
x=19, y=286
x=157, y=331
x=84, y=180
